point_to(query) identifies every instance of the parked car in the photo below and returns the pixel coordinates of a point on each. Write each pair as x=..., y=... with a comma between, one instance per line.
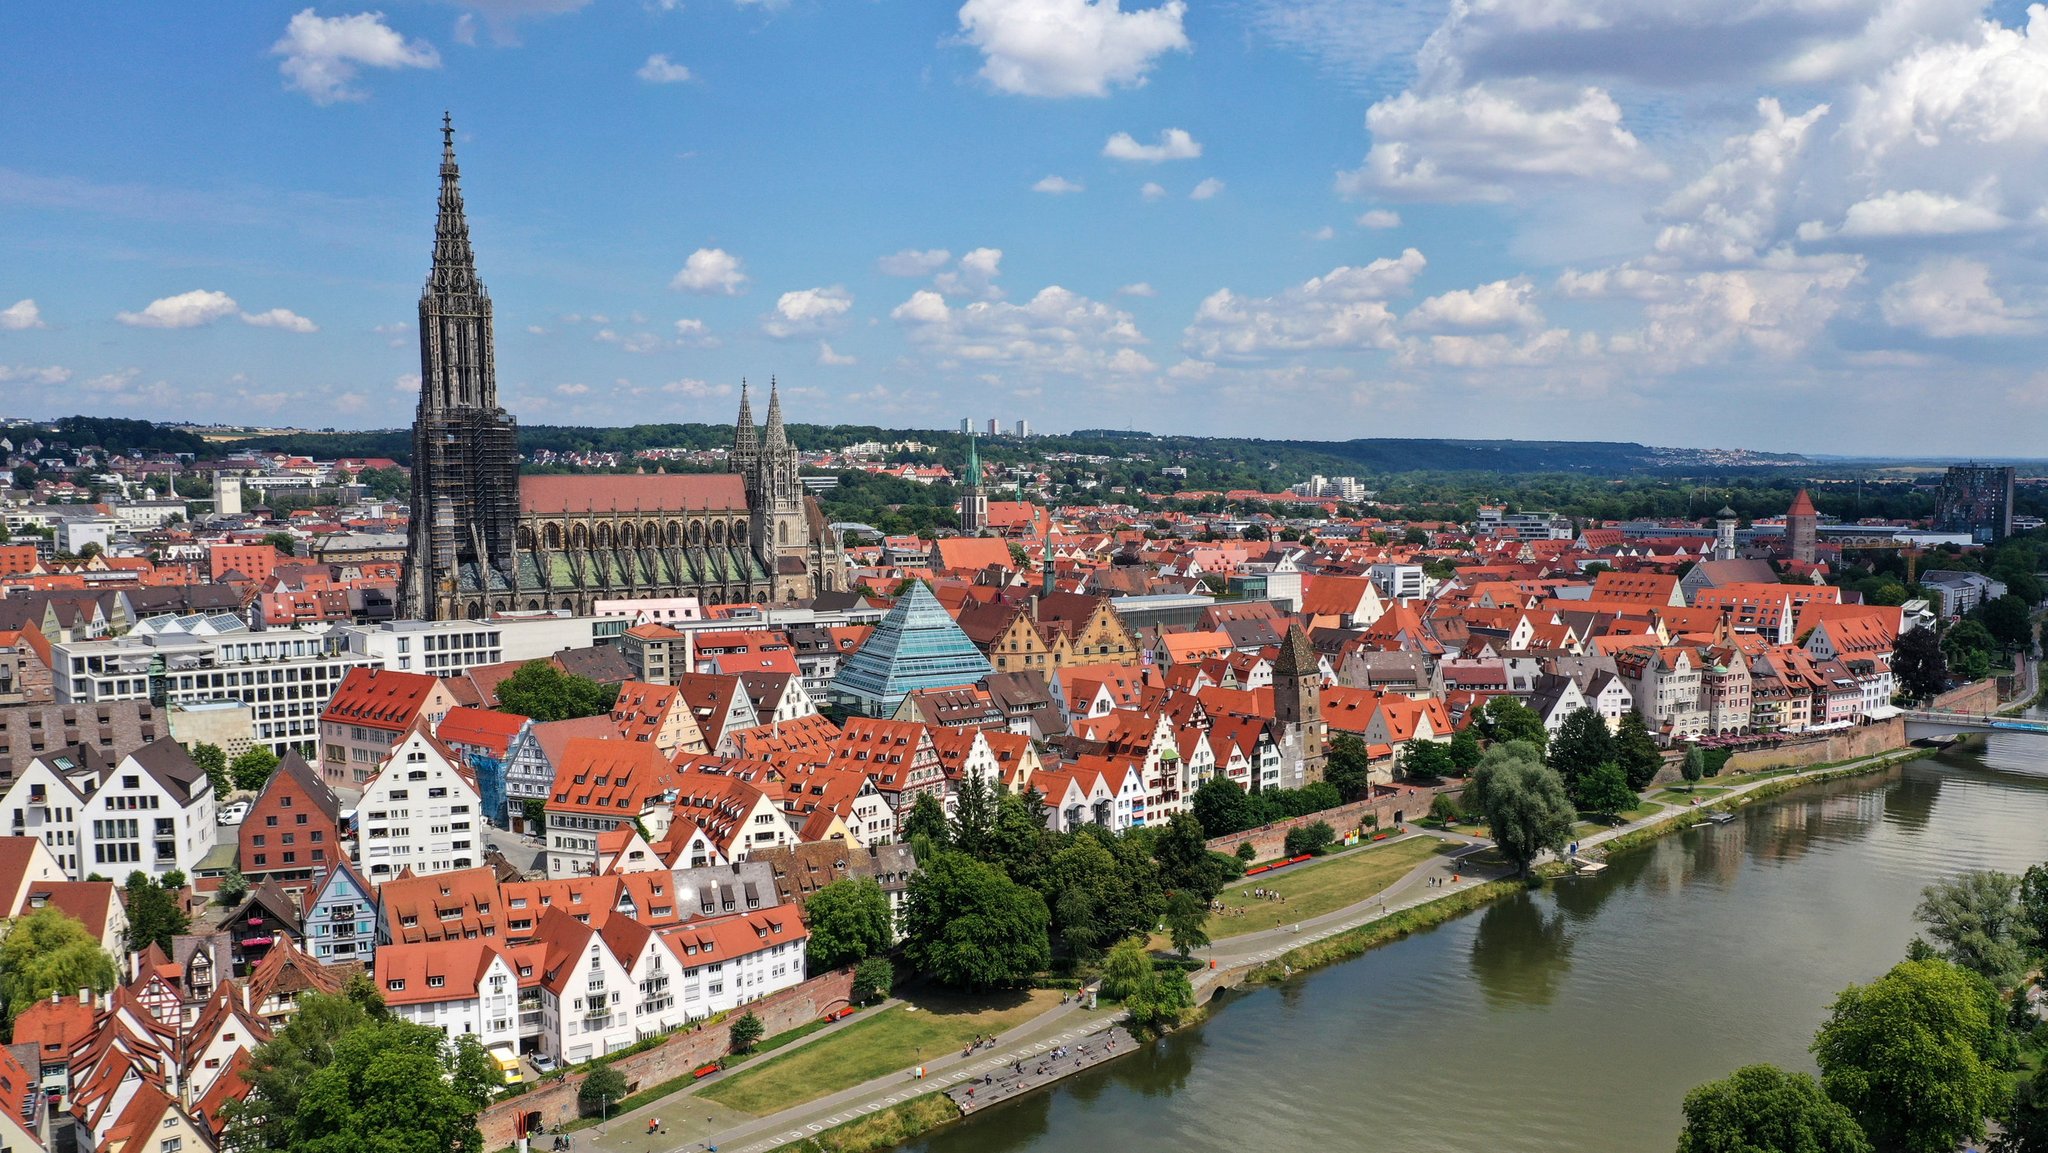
x=234, y=814
x=542, y=1063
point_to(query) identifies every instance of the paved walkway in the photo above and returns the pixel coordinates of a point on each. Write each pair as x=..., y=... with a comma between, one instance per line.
x=690, y=1124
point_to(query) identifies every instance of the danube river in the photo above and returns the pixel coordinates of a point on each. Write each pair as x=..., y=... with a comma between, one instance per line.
x=1574, y=1019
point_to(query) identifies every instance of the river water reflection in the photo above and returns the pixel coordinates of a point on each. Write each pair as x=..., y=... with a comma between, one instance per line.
x=1572, y=1019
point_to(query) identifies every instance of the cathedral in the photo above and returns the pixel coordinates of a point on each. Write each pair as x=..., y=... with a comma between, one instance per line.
x=484, y=539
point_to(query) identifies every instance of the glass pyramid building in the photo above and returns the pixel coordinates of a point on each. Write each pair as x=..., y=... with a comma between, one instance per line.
x=917, y=646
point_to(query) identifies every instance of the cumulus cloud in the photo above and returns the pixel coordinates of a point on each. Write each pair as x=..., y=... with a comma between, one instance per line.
x=1344, y=309
x=1060, y=48
x=807, y=311
x=1056, y=331
x=1473, y=143
x=1379, y=218
x=975, y=275
x=693, y=333
x=185, y=310
x=1952, y=297
x=1153, y=191
x=283, y=318
x=1913, y=212
x=572, y=389
x=30, y=374
x=1174, y=144
x=22, y=314
x=659, y=69
x=1985, y=89
x=711, y=271
x=1501, y=304
x=1776, y=309
x=831, y=359
x=322, y=54
x=695, y=389
x=913, y=262
x=1139, y=289
x=1057, y=186
x=1206, y=190
x=1731, y=213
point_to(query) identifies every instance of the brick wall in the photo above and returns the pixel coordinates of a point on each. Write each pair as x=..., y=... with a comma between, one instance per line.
x=555, y=1101
x=1399, y=803
x=1862, y=741
x=1978, y=697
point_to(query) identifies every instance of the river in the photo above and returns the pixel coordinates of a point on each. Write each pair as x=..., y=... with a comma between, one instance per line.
x=1573, y=1019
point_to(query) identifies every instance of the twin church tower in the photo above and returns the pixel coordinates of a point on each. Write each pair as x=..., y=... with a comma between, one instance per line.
x=484, y=539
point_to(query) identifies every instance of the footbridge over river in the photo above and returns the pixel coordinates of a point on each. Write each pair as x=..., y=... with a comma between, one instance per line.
x=1925, y=723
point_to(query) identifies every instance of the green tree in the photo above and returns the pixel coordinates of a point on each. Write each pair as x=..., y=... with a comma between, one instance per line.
x=1506, y=719
x=927, y=819
x=1428, y=760
x=1163, y=1003
x=1127, y=969
x=1187, y=920
x=1314, y=839
x=2033, y=896
x=1906, y=1055
x=1694, y=766
x=214, y=760
x=535, y=810
x=1185, y=861
x=1444, y=809
x=1348, y=767
x=849, y=921
x=1221, y=807
x=285, y=543
x=233, y=886
x=1764, y=1109
x=1523, y=800
x=1247, y=852
x=279, y=1068
x=253, y=768
x=1978, y=919
x=155, y=914
x=1581, y=745
x=1604, y=792
x=49, y=952
x=746, y=1033
x=969, y=926
x=2009, y=621
x=2025, y=1120
x=1969, y=647
x=974, y=817
x=603, y=1088
x=1918, y=663
x=1465, y=751
x=545, y=693
x=1635, y=750
x=1103, y=889
x=872, y=980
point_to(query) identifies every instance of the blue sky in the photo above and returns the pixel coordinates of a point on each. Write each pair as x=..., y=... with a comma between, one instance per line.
x=1789, y=224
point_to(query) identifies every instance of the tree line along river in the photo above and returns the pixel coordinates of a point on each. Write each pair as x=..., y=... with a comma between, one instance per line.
x=1575, y=1018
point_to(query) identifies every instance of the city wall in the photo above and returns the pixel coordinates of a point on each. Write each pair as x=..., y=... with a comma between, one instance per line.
x=554, y=1102
x=1391, y=805
x=1849, y=744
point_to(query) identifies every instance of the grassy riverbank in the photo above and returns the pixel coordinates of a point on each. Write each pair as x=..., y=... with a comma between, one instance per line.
x=1314, y=889
x=1355, y=942
x=897, y=1125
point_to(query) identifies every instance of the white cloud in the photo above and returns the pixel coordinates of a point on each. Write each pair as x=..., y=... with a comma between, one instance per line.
x=1152, y=191
x=1731, y=212
x=692, y=333
x=1139, y=289
x=185, y=310
x=659, y=69
x=831, y=359
x=1501, y=304
x=283, y=318
x=913, y=262
x=22, y=314
x=29, y=374
x=1990, y=89
x=572, y=389
x=1952, y=297
x=1379, y=218
x=1777, y=310
x=1206, y=190
x=807, y=311
x=1497, y=350
x=1057, y=186
x=711, y=270
x=1345, y=309
x=1174, y=144
x=1471, y=143
x=696, y=389
x=1912, y=212
x=975, y=275
x=1070, y=47
x=323, y=53
x=1056, y=331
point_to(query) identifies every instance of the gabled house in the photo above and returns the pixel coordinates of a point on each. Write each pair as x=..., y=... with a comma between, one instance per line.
x=421, y=811
x=292, y=834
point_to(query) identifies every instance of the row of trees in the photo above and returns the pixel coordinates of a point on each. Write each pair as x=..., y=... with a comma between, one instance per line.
x=1916, y=1061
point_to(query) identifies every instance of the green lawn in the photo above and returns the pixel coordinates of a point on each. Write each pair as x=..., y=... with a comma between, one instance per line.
x=891, y=1039
x=1312, y=890
x=1681, y=797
